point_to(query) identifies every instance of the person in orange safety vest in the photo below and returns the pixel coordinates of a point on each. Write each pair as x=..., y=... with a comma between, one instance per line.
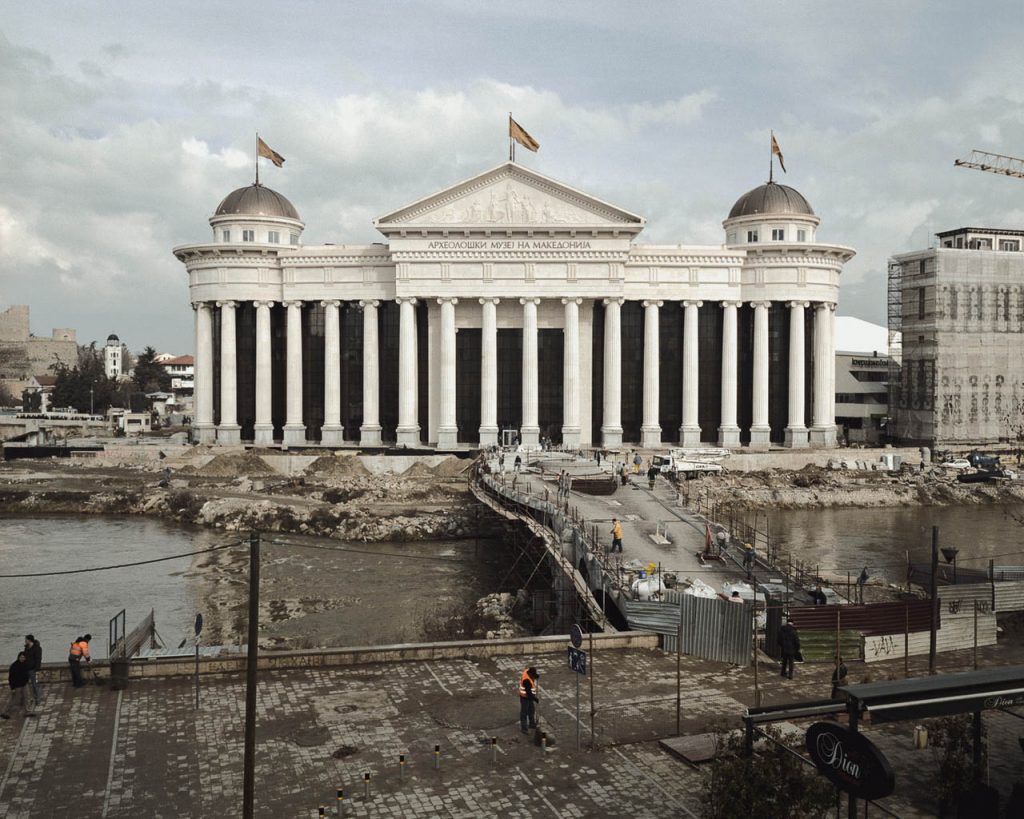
x=528, y=699
x=78, y=652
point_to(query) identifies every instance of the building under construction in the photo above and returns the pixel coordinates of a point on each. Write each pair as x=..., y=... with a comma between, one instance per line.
x=956, y=329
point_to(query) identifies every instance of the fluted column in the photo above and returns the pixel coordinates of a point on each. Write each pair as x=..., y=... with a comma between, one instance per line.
x=760, y=431
x=728, y=430
x=369, y=431
x=530, y=430
x=447, y=429
x=571, y=374
x=408, y=432
x=332, y=433
x=489, y=372
x=689, y=432
x=831, y=435
x=294, y=428
x=650, y=426
x=796, y=430
x=611, y=425
x=228, y=431
x=264, y=433
x=203, y=429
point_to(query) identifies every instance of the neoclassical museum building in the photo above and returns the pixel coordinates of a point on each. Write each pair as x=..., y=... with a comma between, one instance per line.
x=508, y=304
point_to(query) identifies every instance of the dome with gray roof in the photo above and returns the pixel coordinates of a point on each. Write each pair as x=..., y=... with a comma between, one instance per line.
x=770, y=198
x=257, y=200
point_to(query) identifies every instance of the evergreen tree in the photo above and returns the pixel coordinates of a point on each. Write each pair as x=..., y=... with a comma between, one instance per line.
x=150, y=376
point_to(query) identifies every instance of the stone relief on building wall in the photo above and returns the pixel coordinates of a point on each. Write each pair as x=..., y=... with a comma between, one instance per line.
x=510, y=203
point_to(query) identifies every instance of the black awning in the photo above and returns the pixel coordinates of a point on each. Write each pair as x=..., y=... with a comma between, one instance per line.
x=940, y=695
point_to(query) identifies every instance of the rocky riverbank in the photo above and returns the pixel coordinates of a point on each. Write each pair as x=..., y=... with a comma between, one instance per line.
x=821, y=488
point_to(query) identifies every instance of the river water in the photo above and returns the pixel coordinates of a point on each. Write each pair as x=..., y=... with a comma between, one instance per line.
x=845, y=540
x=314, y=592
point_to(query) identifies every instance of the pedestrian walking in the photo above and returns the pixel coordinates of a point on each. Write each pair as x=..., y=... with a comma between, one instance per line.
x=501, y=462
x=652, y=475
x=748, y=557
x=517, y=464
x=789, y=643
x=616, y=535
x=818, y=596
x=529, y=686
x=625, y=473
x=597, y=457
x=17, y=680
x=34, y=653
x=637, y=462
x=77, y=654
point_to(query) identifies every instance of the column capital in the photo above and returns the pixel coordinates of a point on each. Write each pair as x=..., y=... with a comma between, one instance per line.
x=406, y=300
x=765, y=303
x=263, y=303
x=732, y=303
x=830, y=305
x=524, y=302
x=489, y=300
x=292, y=303
x=364, y=303
x=803, y=304
x=614, y=300
x=577, y=301
x=228, y=303
x=444, y=299
x=690, y=303
x=652, y=303
x=330, y=303
x=200, y=305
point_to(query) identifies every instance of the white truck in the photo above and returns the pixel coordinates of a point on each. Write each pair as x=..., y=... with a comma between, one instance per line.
x=684, y=467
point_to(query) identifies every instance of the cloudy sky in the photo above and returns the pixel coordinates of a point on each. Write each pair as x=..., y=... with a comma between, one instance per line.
x=124, y=124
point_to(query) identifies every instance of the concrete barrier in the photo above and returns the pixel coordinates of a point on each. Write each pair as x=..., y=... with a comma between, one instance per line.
x=365, y=655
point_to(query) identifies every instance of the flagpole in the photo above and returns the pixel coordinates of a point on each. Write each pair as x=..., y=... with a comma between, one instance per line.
x=511, y=142
x=257, y=157
x=771, y=157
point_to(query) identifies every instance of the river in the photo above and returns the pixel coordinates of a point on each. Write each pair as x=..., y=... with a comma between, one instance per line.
x=845, y=540
x=316, y=592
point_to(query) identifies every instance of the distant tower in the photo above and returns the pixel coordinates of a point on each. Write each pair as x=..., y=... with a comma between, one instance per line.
x=112, y=357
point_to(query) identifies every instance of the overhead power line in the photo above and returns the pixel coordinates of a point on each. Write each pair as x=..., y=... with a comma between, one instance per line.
x=125, y=565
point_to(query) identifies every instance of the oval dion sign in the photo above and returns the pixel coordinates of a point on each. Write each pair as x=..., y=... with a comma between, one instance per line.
x=850, y=761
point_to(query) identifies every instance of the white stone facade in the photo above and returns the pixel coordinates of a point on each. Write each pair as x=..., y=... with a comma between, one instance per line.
x=520, y=303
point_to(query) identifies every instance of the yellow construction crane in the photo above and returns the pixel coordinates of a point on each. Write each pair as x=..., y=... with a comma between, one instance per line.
x=993, y=163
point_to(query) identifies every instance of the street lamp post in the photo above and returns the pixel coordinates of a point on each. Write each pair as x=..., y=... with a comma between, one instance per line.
x=950, y=553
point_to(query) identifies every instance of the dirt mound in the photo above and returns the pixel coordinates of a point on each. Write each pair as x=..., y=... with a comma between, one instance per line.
x=419, y=470
x=337, y=466
x=451, y=466
x=231, y=466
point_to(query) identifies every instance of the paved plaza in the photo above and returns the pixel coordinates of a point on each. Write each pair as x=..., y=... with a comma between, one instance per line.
x=147, y=752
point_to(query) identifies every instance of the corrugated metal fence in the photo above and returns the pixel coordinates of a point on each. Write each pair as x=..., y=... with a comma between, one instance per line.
x=713, y=629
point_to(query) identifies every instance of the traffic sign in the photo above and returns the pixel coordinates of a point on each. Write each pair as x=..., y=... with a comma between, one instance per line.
x=576, y=635
x=577, y=661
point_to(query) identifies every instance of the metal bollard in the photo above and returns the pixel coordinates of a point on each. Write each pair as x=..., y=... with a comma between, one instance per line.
x=366, y=785
x=401, y=767
x=544, y=741
x=494, y=750
x=340, y=807
x=437, y=757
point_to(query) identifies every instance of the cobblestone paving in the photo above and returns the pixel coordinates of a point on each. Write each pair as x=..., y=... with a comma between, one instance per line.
x=147, y=752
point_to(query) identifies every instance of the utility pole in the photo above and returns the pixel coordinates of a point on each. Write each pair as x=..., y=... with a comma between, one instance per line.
x=252, y=658
x=934, y=600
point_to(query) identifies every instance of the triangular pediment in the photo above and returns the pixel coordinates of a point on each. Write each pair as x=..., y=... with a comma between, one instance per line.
x=510, y=196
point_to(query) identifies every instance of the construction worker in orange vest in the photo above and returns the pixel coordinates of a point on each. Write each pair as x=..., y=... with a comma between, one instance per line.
x=79, y=651
x=528, y=699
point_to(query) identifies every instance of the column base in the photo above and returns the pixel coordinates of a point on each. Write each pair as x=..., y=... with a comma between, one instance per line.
x=369, y=435
x=264, y=435
x=294, y=435
x=571, y=437
x=796, y=437
x=529, y=436
x=488, y=436
x=823, y=437
x=729, y=437
x=760, y=437
x=650, y=437
x=447, y=438
x=229, y=435
x=332, y=435
x=204, y=433
x=611, y=436
x=689, y=436
x=408, y=436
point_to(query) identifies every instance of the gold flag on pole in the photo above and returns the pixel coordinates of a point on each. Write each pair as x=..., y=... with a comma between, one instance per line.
x=516, y=132
x=777, y=151
x=269, y=153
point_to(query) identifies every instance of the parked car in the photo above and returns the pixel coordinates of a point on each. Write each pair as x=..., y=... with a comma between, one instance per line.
x=959, y=464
